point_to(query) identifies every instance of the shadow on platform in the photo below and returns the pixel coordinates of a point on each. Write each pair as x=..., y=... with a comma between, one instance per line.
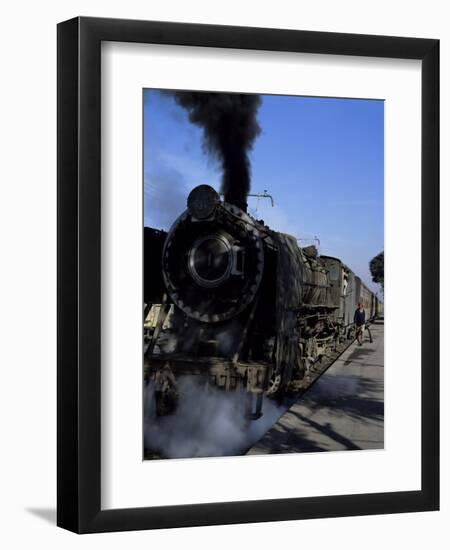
x=336, y=393
x=344, y=410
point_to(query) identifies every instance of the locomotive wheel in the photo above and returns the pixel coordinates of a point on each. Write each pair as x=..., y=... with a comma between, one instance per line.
x=274, y=384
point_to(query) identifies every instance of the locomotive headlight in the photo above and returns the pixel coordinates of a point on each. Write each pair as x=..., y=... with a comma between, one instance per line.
x=202, y=202
x=210, y=260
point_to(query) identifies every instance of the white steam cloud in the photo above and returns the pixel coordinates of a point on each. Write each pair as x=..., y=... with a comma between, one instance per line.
x=207, y=422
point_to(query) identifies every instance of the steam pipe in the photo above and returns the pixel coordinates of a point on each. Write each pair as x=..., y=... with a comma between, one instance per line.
x=264, y=195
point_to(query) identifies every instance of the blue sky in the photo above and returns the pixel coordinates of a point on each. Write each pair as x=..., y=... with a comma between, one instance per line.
x=322, y=159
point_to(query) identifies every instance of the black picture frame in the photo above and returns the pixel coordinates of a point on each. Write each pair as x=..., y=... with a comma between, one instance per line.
x=79, y=281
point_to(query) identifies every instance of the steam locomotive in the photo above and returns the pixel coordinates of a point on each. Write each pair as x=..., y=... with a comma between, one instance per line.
x=239, y=305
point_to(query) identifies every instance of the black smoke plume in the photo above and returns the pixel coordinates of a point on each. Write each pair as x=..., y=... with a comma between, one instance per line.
x=229, y=128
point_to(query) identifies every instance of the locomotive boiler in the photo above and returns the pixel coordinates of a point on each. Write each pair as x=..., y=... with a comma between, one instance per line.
x=240, y=306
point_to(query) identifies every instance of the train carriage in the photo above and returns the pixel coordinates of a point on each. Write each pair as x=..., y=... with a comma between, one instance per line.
x=365, y=297
x=344, y=290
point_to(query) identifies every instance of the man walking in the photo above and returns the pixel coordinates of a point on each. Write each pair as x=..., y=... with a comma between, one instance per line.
x=360, y=320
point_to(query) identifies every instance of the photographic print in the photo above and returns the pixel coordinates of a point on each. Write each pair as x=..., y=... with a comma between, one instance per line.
x=263, y=255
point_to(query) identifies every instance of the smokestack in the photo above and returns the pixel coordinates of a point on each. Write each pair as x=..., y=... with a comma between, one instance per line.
x=229, y=130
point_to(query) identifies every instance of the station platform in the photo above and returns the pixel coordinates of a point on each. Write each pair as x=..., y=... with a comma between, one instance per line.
x=343, y=410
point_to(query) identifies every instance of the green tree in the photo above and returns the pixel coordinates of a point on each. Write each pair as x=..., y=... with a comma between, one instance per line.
x=376, y=266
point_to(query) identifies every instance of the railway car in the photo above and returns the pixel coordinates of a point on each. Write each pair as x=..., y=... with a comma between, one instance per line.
x=347, y=291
